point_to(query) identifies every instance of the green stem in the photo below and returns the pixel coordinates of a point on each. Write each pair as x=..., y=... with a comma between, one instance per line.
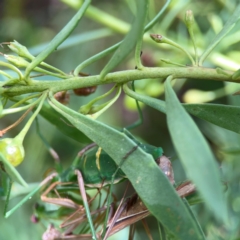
x=53, y=68
x=24, y=100
x=172, y=63
x=8, y=65
x=89, y=104
x=161, y=39
x=95, y=58
x=28, y=196
x=19, y=109
x=140, y=114
x=121, y=77
x=138, y=53
x=5, y=74
x=41, y=70
x=24, y=131
x=106, y=105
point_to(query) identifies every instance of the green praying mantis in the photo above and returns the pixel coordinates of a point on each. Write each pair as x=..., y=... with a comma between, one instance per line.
x=123, y=217
x=92, y=168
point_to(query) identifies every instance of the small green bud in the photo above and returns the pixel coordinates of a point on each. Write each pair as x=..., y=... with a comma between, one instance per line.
x=17, y=61
x=161, y=39
x=96, y=108
x=12, y=150
x=189, y=18
x=20, y=50
x=85, y=109
x=157, y=38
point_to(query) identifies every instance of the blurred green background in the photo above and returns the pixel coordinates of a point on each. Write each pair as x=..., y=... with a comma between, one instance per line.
x=34, y=23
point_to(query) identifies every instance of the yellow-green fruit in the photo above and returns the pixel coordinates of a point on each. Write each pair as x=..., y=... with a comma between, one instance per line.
x=12, y=151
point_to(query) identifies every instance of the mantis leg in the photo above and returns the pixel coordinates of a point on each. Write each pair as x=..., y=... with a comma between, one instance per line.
x=145, y=225
x=64, y=202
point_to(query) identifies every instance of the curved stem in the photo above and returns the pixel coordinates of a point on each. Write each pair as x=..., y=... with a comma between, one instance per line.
x=5, y=74
x=24, y=131
x=24, y=100
x=94, y=58
x=120, y=78
x=19, y=109
x=106, y=105
x=8, y=65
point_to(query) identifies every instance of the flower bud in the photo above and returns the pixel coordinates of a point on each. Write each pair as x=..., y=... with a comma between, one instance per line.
x=189, y=18
x=85, y=109
x=20, y=50
x=157, y=38
x=12, y=150
x=17, y=61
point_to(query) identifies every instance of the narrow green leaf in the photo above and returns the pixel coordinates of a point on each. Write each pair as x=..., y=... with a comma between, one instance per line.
x=62, y=124
x=195, y=154
x=5, y=183
x=25, y=199
x=150, y=183
x=31, y=191
x=225, y=116
x=58, y=39
x=226, y=29
x=75, y=40
x=12, y=172
x=130, y=39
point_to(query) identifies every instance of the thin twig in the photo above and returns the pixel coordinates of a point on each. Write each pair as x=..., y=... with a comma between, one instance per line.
x=3, y=131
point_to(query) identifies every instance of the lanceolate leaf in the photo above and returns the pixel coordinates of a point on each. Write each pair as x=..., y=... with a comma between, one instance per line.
x=130, y=40
x=225, y=116
x=150, y=183
x=195, y=154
